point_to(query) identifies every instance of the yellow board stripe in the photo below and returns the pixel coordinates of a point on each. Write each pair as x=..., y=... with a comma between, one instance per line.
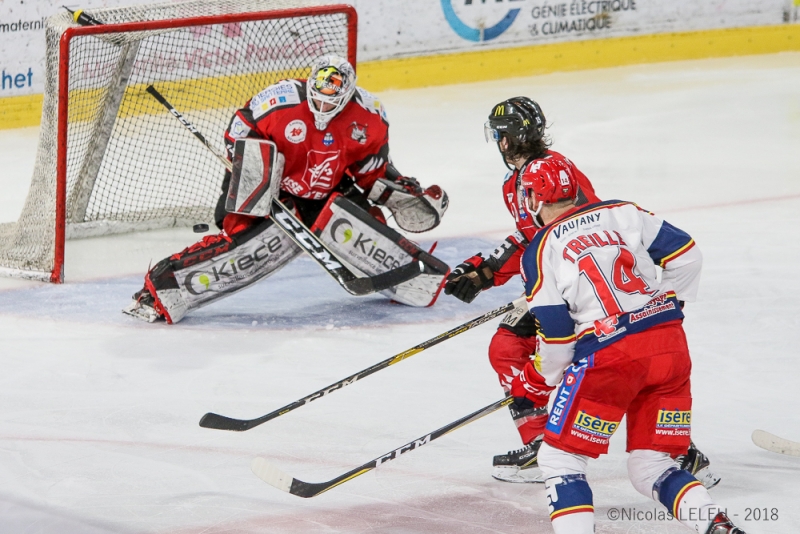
x=498, y=64
x=477, y=66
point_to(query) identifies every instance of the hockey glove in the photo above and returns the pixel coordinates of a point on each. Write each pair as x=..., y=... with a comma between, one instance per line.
x=410, y=184
x=529, y=389
x=469, y=279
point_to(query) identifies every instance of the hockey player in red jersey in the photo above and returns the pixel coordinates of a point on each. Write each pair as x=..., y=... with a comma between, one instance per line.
x=333, y=141
x=517, y=125
x=610, y=332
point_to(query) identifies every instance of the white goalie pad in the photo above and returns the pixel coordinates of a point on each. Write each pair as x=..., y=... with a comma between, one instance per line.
x=412, y=213
x=255, y=178
x=259, y=256
x=371, y=248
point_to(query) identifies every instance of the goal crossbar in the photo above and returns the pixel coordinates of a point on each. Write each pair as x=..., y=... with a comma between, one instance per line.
x=103, y=112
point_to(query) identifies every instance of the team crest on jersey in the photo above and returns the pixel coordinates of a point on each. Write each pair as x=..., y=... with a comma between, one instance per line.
x=296, y=131
x=321, y=169
x=358, y=132
x=328, y=139
x=238, y=128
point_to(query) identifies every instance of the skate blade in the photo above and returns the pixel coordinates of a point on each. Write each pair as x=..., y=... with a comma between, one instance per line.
x=707, y=478
x=516, y=475
x=145, y=313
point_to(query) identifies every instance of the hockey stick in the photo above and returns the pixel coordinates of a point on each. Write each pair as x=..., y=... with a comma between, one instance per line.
x=221, y=422
x=275, y=477
x=773, y=443
x=303, y=237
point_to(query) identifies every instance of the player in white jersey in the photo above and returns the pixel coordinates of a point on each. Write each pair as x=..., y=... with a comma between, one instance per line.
x=611, y=334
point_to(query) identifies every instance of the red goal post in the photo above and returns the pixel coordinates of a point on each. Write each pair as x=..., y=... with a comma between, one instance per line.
x=110, y=159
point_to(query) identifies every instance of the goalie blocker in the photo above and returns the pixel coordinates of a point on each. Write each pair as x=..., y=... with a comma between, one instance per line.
x=255, y=177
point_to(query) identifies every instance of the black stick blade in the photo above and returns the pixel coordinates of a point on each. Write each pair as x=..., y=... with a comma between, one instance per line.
x=385, y=280
x=221, y=422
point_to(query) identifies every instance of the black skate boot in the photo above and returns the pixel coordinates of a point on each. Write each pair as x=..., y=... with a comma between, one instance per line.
x=508, y=467
x=698, y=464
x=722, y=525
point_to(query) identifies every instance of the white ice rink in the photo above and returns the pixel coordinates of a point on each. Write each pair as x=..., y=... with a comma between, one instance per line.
x=99, y=412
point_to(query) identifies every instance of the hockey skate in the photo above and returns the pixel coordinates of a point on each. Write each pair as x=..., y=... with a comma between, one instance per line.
x=142, y=307
x=698, y=464
x=722, y=525
x=519, y=466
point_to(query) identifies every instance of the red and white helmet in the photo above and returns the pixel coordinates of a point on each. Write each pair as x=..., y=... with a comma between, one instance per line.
x=547, y=181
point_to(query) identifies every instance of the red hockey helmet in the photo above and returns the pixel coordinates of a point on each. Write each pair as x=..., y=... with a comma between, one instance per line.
x=547, y=181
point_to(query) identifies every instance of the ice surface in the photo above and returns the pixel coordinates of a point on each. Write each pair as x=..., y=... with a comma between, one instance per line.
x=99, y=412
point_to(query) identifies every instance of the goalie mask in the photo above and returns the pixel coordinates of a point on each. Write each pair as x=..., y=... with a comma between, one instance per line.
x=330, y=86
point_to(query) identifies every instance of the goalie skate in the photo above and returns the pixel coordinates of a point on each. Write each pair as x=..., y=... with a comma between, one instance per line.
x=142, y=307
x=698, y=464
x=520, y=466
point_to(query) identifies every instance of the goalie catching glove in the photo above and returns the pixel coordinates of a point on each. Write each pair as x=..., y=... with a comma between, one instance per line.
x=414, y=209
x=469, y=279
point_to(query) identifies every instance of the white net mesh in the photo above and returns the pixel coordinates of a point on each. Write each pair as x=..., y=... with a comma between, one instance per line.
x=129, y=164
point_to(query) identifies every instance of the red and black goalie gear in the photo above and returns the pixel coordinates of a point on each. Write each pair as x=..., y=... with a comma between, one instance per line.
x=508, y=355
x=410, y=184
x=469, y=279
x=162, y=275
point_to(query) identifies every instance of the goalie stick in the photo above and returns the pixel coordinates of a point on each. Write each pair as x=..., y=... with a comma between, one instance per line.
x=773, y=443
x=304, y=238
x=222, y=422
x=275, y=477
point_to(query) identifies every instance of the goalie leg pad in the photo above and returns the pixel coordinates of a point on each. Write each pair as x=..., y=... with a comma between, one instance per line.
x=217, y=267
x=371, y=248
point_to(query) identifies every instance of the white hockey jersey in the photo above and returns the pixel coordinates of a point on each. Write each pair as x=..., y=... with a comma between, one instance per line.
x=591, y=278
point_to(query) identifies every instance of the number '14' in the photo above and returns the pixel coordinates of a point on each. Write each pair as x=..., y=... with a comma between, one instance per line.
x=624, y=279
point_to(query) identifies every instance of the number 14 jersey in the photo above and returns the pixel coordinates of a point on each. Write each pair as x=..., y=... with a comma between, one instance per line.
x=601, y=272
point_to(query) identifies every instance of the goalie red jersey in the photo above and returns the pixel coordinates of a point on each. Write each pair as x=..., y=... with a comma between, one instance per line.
x=357, y=142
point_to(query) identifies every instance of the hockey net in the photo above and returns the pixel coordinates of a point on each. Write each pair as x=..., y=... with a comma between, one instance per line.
x=110, y=158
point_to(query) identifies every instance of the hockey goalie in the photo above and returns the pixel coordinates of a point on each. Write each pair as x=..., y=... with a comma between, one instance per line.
x=321, y=147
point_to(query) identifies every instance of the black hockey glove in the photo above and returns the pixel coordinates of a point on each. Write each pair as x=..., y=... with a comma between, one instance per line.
x=469, y=279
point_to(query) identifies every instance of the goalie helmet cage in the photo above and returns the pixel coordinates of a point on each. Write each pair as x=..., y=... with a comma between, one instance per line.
x=110, y=159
